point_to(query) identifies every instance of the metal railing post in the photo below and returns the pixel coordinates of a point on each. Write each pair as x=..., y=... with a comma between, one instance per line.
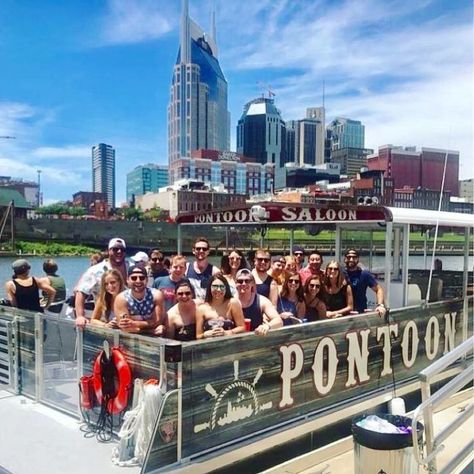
x=39, y=356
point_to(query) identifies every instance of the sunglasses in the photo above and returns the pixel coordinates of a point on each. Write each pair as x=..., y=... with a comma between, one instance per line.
x=235, y=258
x=157, y=259
x=138, y=277
x=183, y=293
x=332, y=269
x=298, y=254
x=201, y=249
x=117, y=249
x=312, y=285
x=262, y=259
x=352, y=257
x=218, y=287
x=295, y=282
x=243, y=281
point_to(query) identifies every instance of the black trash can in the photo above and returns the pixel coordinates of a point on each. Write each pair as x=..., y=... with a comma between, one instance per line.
x=378, y=453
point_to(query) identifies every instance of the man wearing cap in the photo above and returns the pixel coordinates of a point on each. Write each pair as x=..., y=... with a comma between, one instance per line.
x=139, y=309
x=298, y=254
x=156, y=266
x=89, y=283
x=23, y=290
x=360, y=280
x=313, y=268
x=259, y=309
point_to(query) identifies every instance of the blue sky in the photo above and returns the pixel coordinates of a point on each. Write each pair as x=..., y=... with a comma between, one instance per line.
x=79, y=72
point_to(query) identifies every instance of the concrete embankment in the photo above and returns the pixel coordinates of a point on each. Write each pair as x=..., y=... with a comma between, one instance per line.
x=140, y=234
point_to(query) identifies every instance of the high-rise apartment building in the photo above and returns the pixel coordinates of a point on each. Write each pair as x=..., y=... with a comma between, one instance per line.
x=347, y=133
x=103, y=171
x=146, y=178
x=198, y=117
x=261, y=132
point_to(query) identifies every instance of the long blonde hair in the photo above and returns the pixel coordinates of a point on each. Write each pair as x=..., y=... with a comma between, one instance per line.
x=105, y=300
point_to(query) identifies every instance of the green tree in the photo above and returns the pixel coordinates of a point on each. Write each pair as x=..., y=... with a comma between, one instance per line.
x=76, y=211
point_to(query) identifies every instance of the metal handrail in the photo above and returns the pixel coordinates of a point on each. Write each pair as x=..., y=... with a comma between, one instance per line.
x=425, y=409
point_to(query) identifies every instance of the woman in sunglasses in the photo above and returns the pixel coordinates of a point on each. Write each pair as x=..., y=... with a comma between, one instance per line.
x=220, y=314
x=182, y=316
x=314, y=299
x=111, y=285
x=339, y=300
x=230, y=265
x=291, y=302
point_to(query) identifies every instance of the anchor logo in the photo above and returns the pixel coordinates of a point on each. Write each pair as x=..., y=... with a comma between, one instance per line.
x=235, y=402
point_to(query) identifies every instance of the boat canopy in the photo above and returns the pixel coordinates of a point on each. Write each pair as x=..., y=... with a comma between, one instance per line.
x=301, y=213
x=402, y=215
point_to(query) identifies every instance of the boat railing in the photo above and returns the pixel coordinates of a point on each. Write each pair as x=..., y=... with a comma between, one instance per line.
x=8, y=355
x=434, y=443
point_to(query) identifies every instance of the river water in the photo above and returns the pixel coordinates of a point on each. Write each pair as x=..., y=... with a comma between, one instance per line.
x=71, y=268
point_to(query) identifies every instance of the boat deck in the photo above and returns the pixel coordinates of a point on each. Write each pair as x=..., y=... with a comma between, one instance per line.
x=39, y=439
x=338, y=457
x=36, y=438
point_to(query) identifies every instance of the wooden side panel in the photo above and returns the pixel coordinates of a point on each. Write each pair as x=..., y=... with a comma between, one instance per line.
x=247, y=384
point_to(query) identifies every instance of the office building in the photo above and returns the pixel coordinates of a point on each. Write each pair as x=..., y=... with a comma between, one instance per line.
x=412, y=168
x=103, y=171
x=197, y=113
x=350, y=159
x=261, y=132
x=190, y=196
x=295, y=176
x=466, y=189
x=346, y=133
x=237, y=173
x=146, y=178
x=305, y=139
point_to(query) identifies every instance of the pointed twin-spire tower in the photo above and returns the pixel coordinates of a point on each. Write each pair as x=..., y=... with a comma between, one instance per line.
x=197, y=113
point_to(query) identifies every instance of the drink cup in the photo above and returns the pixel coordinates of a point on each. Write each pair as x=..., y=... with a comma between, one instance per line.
x=247, y=324
x=216, y=323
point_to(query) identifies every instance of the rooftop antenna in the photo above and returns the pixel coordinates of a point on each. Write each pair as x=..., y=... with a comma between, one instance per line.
x=213, y=22
x=266, y=88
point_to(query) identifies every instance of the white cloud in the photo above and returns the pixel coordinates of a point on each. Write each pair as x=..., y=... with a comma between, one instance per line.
x=68, y=151
x=134, y=21
x=402, y=68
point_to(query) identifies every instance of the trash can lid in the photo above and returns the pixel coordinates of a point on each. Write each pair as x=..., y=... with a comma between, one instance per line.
x=385, y=441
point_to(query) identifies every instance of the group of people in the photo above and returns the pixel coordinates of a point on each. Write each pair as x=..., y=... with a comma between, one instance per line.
x=195, y=299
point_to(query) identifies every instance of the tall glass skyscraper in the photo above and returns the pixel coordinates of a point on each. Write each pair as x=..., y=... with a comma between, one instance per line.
x=146, y=178
x=261, y=132
x=347, y=133
x=197, y=113
x=103, y=171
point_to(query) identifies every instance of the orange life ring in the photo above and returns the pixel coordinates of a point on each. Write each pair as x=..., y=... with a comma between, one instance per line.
x=120, y=401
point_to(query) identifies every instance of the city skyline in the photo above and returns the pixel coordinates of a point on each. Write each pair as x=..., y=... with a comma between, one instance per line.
x=73, y=76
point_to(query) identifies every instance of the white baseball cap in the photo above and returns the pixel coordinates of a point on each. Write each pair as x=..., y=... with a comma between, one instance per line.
x=140, y=257
x=116, y=241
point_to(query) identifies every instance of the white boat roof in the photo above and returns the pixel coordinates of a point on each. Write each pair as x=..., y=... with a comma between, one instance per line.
x=402, y=215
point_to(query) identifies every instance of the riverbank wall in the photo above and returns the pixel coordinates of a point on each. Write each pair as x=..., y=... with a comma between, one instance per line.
x=145, y=235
